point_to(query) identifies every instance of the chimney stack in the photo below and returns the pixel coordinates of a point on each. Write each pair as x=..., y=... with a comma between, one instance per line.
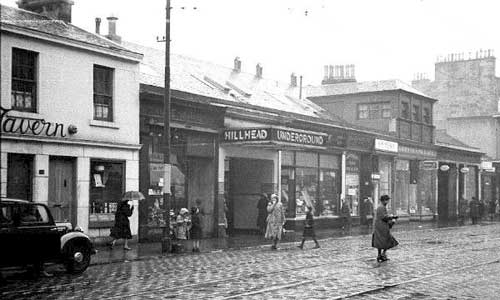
x=98, y=25
x=258, y=71
x=54, y=9
x=112, y=30
x=339, y=74
x=293, y=80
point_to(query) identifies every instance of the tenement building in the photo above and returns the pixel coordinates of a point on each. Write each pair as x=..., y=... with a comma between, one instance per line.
x=468, y=91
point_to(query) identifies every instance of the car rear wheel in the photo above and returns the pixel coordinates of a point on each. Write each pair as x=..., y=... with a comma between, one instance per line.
x=77, y=258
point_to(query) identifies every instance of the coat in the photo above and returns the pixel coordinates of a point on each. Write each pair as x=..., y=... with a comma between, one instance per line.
x=275, y=220
x=195, y=231
x=382, y=238
x=309, y=226
x=474, y=208
x=121, y=229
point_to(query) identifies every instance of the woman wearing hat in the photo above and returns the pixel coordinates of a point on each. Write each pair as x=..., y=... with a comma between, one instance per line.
x=275, y=220
x=382, y=238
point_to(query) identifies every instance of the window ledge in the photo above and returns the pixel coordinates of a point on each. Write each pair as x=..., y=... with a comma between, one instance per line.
x=105, y=124
x=25, y=115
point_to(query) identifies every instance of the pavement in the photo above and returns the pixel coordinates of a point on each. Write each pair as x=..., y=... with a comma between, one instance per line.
x=140, y=251
x=431, y=262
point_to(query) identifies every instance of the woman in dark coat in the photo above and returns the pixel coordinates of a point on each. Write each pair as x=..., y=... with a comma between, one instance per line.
x=195, y=231
x=309, y=228
x=262, y=213
x=382, y=238
x=121, y=230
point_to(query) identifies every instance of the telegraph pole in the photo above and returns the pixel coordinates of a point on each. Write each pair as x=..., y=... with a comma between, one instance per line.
x=166, y=242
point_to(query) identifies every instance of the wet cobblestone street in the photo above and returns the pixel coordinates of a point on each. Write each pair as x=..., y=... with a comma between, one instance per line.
x=446, y=263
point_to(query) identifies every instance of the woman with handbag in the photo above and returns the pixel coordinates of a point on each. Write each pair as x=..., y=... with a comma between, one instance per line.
x=382, y=238
x=275, y=221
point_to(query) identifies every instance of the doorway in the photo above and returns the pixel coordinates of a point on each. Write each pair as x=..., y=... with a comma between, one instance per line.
x=61, y=200
x=247, y=179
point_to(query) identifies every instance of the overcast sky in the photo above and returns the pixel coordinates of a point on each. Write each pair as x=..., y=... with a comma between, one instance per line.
x=385, y=39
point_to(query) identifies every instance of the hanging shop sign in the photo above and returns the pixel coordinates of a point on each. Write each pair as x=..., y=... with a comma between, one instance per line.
x=444, y=168
x=384, y=145
x=487, y=166
x=429, y=165
x=464, y=170
x=36, y=127
x=274, y=134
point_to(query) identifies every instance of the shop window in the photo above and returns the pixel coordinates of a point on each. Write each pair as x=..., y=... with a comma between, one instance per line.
x=287, y=158
x=103, y=93
x=107, y=186
x=24, y=81
x=306, y=188
x=329, y=161
x=328, y=193
x=306, y=159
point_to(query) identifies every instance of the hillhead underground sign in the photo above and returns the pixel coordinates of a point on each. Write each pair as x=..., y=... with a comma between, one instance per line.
x=274, y=134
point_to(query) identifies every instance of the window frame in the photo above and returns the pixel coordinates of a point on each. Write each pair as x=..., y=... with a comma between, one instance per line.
x=405, y=110
x=30, y=68
x=416, y=114
x=103, y=96
x=374, y=111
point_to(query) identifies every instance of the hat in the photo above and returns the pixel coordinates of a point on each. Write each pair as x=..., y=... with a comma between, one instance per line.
x=385, y=198
x=183, y=211
x=274, y=196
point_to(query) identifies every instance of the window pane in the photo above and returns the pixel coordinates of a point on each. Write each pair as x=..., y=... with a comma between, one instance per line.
x=103, y=91
x=306, y=159
x=23, y=80
x=329, y=161
x=306, y=185
x=287, y=158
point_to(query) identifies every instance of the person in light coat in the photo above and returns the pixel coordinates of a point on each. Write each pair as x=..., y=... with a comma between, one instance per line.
x=275, y=221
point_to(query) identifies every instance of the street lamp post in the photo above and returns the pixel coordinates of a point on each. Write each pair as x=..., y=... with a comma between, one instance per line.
x=166, y=242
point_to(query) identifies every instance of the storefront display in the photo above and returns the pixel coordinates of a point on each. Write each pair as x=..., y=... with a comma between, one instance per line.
x=352, y=167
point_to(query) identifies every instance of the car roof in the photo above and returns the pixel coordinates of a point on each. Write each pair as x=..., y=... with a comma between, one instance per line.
x=12, y=200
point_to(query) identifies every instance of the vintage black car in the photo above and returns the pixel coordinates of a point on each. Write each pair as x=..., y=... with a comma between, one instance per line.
x=29, y=236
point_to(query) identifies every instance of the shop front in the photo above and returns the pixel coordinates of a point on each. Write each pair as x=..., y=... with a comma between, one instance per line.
x=458, y=177
x=384, y=161
x=293, y=163
x=415, y=182
x=193, y=158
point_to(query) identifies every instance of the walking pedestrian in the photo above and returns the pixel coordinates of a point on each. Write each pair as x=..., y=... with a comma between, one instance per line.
x=262, y=213
x=382, y=238
x=345, y=212
x=309, y=229
x=121, y=229
x=474, y=210
x=275, y=221
x=196, y=230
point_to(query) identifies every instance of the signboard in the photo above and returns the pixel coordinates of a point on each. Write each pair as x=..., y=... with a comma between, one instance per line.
x=429, y=165
x=384, y=145
x=274, y=134
x=337, y=138
x=245, y=135
x=352, y=163
x=417, y=151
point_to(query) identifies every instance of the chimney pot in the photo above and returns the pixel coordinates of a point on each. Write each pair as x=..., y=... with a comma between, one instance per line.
x=98, y=25
x=237, y=64
x=258, y=71
x=112, y=29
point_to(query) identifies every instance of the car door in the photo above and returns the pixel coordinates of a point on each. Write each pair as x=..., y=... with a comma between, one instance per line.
x=41, y=235
x=9, y=248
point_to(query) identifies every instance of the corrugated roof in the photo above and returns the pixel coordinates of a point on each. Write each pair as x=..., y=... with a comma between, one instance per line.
x=360, y=87
x=26, y=20
x=444, y=138
x=208, y=79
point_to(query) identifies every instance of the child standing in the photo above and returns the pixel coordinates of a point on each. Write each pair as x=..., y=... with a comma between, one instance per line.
x=183, y=223
x=195, y=230
x=309, y=228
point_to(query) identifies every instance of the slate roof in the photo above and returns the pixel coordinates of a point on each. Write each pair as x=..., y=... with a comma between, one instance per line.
x=361, y=87
x=20, y=19
x=444, y=139
x=204, y=78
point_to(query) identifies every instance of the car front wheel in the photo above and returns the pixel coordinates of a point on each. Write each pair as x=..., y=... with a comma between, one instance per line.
x=77, y=258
